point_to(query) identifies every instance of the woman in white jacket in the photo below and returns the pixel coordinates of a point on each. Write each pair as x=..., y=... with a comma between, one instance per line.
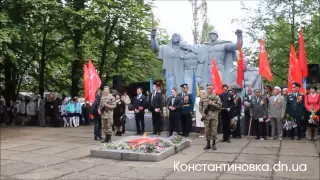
x=199, y=123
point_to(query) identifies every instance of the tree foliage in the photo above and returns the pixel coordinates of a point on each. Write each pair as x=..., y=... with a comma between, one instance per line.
x=44, y=43
x=278, y=23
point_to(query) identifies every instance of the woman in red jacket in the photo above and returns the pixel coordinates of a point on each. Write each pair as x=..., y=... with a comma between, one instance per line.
x=312, y=104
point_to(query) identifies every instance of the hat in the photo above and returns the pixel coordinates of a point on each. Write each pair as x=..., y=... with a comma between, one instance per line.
x=267, y=86
x=209, y=85
x=296, y=84
x=257, y=90
x=184, y=85
x=277, y=87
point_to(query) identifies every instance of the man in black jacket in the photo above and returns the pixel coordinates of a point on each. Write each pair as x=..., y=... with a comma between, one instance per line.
x=174, y=105
x=139, y=104
x=96, y=117
x=187, y=109
x=236, y=113
x=155, y=102
x=295, y=109
x=227, y=105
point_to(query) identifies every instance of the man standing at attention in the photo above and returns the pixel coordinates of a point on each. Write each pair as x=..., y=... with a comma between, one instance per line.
x=187, y=109
x=276, y=112
x=139, y=104
x=107, y=104
x=227, y=104
x=156, y=109
x=209, y=108
x=295, y=109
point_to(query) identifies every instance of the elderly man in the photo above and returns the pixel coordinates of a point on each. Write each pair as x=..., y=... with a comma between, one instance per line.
x=259, y=112
x=107, y=104
x=276, y=112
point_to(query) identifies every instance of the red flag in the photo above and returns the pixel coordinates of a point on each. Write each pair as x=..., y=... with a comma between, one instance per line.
x=215, y=78
x=94, y=82
x=302, y=56
x=294, y=73
x=240, y=73
x=264, y=67
x=86, y=82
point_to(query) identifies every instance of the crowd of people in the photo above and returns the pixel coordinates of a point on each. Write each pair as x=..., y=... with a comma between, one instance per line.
x=274, y=114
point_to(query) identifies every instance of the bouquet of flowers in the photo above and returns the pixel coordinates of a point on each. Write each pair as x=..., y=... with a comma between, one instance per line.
x=233, y=124
x=289, y=124
x=314, y=119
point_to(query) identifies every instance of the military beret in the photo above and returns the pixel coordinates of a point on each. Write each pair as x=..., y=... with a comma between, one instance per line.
x=267, y=86
x=296, y=84
x=184, y=85
x=209, y=85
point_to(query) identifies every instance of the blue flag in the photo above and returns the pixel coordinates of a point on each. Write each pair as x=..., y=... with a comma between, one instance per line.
x=168, y=86
x=194, y=87
x=305, y=83
x=151, y=83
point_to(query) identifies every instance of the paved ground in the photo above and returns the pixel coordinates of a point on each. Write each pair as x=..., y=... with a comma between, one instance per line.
x=63, y=153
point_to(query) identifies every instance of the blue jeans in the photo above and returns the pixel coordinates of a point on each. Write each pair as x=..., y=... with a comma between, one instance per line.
x=97, y=126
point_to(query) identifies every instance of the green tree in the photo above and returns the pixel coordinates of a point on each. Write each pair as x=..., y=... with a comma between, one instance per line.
x=278, y=23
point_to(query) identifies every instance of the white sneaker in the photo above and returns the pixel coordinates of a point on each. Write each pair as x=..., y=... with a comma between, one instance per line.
x=280, y=139
x=261, y=139
x=271, y=138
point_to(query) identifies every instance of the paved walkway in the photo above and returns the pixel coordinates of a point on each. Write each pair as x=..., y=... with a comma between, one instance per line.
x=63, y=153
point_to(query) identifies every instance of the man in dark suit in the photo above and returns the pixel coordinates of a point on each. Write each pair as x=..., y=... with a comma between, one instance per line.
x=227, y=105
x=259, y=114
x=236, y=113
x=267, y=94
x=56, y=116
x=174, y=105
x=96, y=117
x=247, y=101
x=187, y=109
x=155, y=102
x=295, y=109
x=139, y=104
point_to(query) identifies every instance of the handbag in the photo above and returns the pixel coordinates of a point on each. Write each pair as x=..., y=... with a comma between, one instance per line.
x=123, y=119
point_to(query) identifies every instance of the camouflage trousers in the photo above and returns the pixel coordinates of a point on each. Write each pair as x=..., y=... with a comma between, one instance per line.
x=210, y=125
x=106, y=126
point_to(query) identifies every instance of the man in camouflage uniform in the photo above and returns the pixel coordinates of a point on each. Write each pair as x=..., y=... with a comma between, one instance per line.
x=209, y=108
x=107, y=104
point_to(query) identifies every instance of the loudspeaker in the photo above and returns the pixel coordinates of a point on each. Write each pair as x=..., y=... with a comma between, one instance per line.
x=313, y=73
x=117, y=82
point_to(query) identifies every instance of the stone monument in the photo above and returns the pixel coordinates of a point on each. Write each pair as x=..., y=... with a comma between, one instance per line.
x=181, y=59
x=224, y=53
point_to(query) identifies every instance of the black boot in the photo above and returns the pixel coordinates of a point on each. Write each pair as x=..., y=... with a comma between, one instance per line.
x=214, y=145
x=105, y=139
x=109, y=139
x=208, y=146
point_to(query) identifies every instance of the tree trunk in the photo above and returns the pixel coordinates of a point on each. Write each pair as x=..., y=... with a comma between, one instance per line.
x=77, y=64
x=10, y=79
x=42, y=65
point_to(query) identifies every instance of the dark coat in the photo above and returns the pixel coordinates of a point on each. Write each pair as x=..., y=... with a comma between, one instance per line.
x=187, y=107
x=293, y=108
x=156, y=102
x=95, y=106
x=141, y=102
x=118, y=111
x=178, y=103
